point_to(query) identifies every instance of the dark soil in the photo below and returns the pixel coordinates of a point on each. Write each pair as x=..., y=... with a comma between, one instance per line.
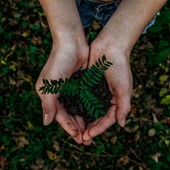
x=74, y=106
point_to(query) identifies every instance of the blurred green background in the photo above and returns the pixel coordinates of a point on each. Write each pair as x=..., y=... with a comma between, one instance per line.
x=144, y=144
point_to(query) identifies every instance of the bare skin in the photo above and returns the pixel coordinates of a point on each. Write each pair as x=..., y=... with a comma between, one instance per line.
x=70, y=52
x=125, y=26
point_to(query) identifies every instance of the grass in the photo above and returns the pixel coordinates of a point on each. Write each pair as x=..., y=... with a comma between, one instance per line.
x=25, y=143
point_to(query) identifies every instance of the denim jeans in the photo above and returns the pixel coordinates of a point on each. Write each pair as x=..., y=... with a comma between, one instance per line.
x=91, y=10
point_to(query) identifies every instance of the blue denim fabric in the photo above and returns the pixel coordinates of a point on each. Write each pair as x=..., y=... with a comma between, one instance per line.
x=91, y=10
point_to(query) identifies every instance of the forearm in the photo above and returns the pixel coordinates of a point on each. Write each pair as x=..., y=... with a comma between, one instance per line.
x=62, y=16
x=130, y=19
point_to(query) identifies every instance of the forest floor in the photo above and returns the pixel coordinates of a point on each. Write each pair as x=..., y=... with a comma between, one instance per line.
x=144, y=143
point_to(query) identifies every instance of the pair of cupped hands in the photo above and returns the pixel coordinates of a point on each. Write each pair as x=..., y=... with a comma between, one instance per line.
x=69, y=53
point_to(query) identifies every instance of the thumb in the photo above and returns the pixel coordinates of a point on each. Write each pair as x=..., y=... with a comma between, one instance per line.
x=101, y=124
x=124, y=107
x=49, y=107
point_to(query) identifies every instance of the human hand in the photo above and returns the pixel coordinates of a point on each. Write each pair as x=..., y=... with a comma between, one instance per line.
x=119, y=79
x=68, y=55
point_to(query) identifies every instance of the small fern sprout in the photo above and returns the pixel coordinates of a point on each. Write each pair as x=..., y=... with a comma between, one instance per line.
x=82, y=88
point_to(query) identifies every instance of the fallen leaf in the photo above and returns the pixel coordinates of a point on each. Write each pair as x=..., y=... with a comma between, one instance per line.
x=124, y=160
x=137, y=136
x=151, y=132
x=51, y=155
x=166, y=100
x=39, y=164
x=140, y=168
x=25, y=34
x=163, y=92
x=167, y=142
x=156, y=156
x=131, y=129
x=21, y=141
x=155, y=120
x=56, y=146
x=30, y=125
x=114, y=140
x=163, y=78
x=96, y=25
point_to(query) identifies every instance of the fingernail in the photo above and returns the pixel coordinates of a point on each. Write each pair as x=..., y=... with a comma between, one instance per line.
x=46, y=120
x=122, y=122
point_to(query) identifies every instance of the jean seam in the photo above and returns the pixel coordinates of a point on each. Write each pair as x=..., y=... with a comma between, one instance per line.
x=117, y=3
x=104, y=4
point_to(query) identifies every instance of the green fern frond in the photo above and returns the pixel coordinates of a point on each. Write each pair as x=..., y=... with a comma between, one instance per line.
x=52, y=87
x=91, y=102
x=82, y=88
x=93, y=75
x=70, y=88
x=104, y=64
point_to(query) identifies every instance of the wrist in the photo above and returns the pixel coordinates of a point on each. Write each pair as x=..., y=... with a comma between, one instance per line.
x=70, y=41
x=62, y=17
x=65, y=34
x=112, y=45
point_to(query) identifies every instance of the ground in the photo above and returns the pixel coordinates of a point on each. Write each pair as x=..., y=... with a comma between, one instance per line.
x=144, y=144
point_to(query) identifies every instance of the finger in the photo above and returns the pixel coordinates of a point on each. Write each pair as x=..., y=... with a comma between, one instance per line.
x=100, y=125
x=69, y=124
x=64, y=120
x=104, y=123
x=124, y=107
x=80, y=122
x=49, y=107
x=86, y=135
x=87, y=143
x=79, y=137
